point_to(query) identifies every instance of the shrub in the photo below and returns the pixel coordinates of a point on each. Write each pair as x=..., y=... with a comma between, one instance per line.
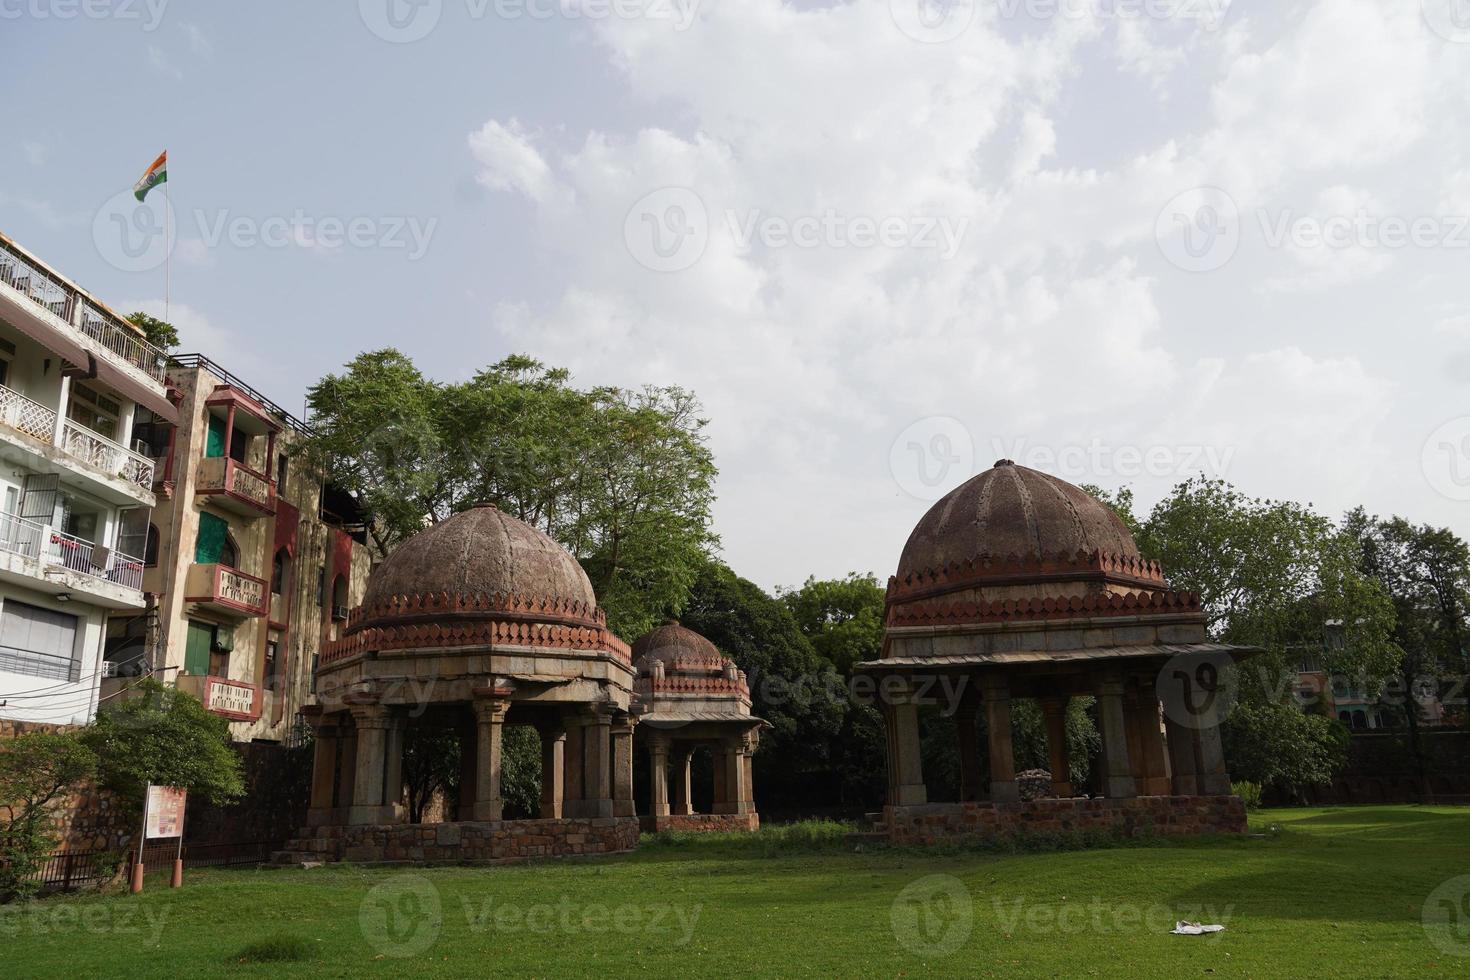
x=1250, y=793
x=35, y=770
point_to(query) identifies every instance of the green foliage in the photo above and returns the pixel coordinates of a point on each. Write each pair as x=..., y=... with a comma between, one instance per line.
x=520, y=771
x=36, y=770
x=430, y=765
x=160, y=333
x=622, y=478
x=1249, y=793
x=1029, y=745
x=842, y=618
x=164, y=736
x=1277, y=744
x=776, y=840
x=793, y=688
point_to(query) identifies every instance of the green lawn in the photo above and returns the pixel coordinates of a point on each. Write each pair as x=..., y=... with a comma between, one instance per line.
x=1335, y=891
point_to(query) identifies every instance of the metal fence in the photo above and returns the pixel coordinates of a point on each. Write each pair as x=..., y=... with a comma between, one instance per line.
x=71, y=870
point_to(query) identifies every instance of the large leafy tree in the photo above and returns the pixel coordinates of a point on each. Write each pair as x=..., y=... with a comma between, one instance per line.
x=792, y=687
x=622, y=477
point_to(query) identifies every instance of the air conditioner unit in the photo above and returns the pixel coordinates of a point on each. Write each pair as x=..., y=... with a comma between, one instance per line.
x=224, y=639
x=339, y=614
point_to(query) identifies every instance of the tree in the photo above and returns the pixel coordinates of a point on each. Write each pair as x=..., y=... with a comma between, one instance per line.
x=430, y=766
x=622, y=478
x=36, y=770
x=160, y=333
x=842, y=618
x=162, y=736
x=1276, y=744
x=793, y=688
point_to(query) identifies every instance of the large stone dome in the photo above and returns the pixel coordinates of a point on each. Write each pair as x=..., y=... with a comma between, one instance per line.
x=482, y=552
x=1011, y=510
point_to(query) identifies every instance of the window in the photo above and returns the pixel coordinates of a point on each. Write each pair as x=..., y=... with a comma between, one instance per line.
x=150, y=435
x=281, y=468
x=272, y=653
x=197, y=647
x=279, y=569
x=321, y=585
x=214, y=438
x=240, y=447
x=132, y=532
x=7, y=354
x=229, y=554
x=95, y=411
x=38, y=642
x=150, y=554
x=210, y=542
x=339, y=599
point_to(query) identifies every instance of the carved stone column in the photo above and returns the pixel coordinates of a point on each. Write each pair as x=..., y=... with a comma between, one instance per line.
x=346, y=772
x=682, y=803
x=1182, y=758
x=323, y=772
x=1118, y=783
x=574, y=794
x=1214, y=779
x=658, y=775
x=905, y=763
x=622, y=766
x=597, y=764
x=1151, y=764
x=1054, y=711
x=967, y=731
x=996, y=696
x=489, y=721
x=553, y=769
x=372, y=722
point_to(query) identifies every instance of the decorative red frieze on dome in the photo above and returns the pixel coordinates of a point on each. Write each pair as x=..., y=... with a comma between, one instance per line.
x=1012, y=569
x=401, y=608
x=430, y=636
x=940, y=613
x=696, y=685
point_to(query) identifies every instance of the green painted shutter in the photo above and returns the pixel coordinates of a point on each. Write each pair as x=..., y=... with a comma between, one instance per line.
x=196, y=647
x=211, y=540
x=214, y=441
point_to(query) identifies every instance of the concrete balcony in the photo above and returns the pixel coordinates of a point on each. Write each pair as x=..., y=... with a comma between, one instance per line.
x=235, y=700
x=38, y=556
x=122, y=476
x=226, y=591
x=235, y=487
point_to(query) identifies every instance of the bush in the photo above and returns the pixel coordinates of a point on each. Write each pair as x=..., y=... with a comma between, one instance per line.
x=1249, y=793
x=36, y=769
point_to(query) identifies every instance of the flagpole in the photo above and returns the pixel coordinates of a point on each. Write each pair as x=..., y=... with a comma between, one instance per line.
x=168, y=211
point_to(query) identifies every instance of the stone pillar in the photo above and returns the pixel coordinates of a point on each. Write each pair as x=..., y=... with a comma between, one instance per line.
x=733, y=770
x=373, y=722
x=346, y=774
x=553, y=770
x=722, y=785
x=682, y=802
x=905, y=763
x=323, y=775
x=489, y=721
x=469, y=757
x=996, y=696
x=622, y=767
x=393, y=771
x=658, y=775
x=1152, y=764
x=597, y=764
x=967, y=731
x=1117, y=778
x=573, y=795
x=1059, y=757
x=1182, y=758
x=1214, y=780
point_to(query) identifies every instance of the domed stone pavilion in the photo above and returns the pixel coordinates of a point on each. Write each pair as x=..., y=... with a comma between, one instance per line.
x=692, y=697
x=476, y=623
x=1020, y=585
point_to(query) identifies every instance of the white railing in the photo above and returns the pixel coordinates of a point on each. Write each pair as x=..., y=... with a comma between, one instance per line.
x=33, y=540
x=107, y=455
x=30, y=417
x=28, y=276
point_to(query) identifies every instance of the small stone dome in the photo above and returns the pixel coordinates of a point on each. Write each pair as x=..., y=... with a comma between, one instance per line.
x=678, y=648
x=481, y=552
x=1012, y=510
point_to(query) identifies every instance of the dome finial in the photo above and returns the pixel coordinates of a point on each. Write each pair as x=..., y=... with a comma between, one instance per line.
x=1005, y=462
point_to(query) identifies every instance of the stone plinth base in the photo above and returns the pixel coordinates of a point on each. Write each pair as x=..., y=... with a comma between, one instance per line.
x=1144, y=816
x=701, y=821
x=466, y=841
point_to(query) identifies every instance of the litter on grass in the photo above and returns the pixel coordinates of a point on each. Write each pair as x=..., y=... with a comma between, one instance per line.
x=1182, y=928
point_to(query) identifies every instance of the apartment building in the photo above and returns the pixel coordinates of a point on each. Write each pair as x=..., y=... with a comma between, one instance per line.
x=252, y=560
x=78, y=386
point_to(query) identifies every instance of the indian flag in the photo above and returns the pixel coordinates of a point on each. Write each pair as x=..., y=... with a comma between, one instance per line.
x=155, y=175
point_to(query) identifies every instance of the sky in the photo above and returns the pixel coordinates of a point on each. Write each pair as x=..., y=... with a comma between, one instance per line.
x=886, y=242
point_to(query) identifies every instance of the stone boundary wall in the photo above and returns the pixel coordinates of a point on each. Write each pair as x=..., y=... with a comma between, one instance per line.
x=1143, y=816
x=1382, y=767
x=86, y=820
x=473, y=841
x=711, y=822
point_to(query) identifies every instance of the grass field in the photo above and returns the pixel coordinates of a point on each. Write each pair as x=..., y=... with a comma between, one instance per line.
x=1326, y=892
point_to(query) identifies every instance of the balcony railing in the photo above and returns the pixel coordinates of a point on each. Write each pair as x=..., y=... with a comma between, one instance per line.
x=223, y=475
x=28, y=276
x=30, y=417
x=46, y=544
x=226, y=589
x=106, y=455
